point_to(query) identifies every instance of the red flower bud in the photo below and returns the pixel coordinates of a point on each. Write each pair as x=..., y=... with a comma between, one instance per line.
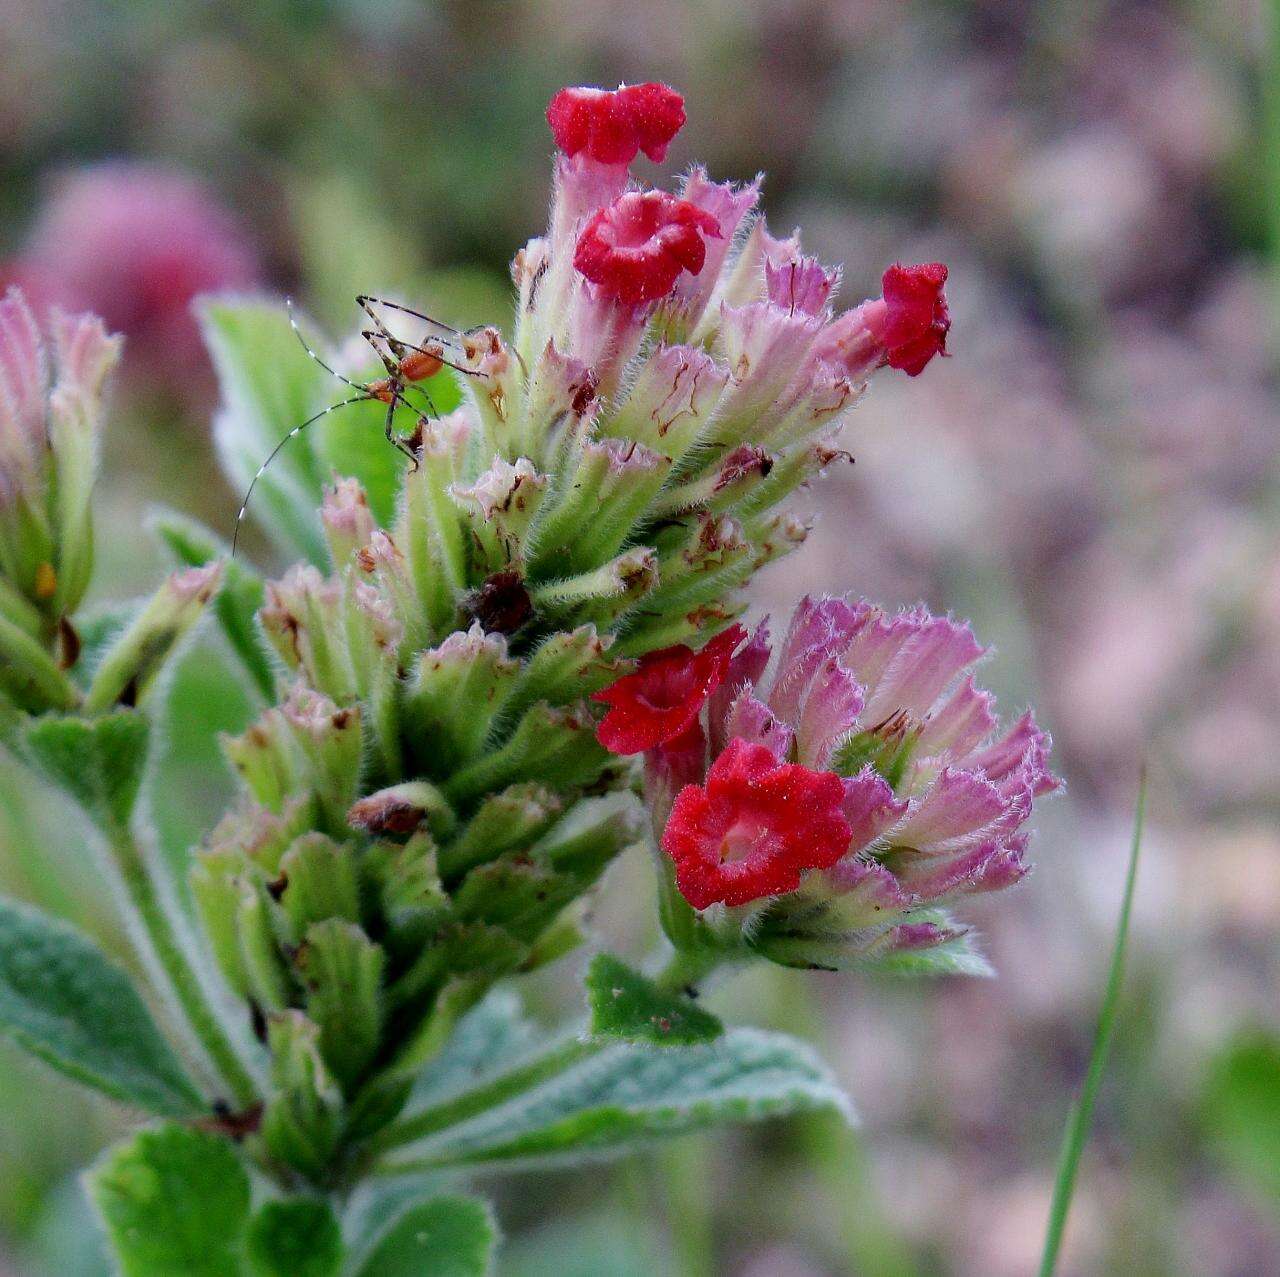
x=611, y=125
x=635, y=249
x=913, y=325
x=663, y=698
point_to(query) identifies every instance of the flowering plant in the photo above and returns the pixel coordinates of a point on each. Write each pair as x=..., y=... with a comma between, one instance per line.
x=481, y=629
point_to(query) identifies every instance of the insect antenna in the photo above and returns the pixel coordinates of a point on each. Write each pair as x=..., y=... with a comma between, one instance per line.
x=293, y=323
x=417, y=314
x=275, y=452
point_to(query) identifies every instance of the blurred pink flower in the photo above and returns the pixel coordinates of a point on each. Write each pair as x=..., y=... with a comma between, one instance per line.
x=135, y=243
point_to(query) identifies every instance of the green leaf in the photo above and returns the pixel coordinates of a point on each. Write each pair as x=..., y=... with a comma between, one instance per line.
x=1081, y=1115
x=444, y=1237
x=65, y=1002
x=174, y=1201
x=302, y=1122
x=824, y=940
x=191, y=784
x=1242, y=1112
x=98, y=761
x=376, y=1203
x=269, y=386
x=489, y=1038
x=295, y=1238
x=607, y=1101
x=624, y=1004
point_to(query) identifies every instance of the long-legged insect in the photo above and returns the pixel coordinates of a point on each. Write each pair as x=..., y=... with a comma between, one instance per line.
x=406, y=363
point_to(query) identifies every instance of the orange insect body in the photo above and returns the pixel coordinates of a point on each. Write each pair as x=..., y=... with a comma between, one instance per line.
x=418, y=365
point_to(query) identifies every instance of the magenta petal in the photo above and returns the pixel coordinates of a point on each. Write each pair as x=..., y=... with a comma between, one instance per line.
x=819, y=630
x=745, y=669
x=875, y=640
x=869, y=895
x=728, y=204
x=921, y=935
x=797, y=282
x=24, y=369
x=829, y=711
x=1023, y=745
x=958, y=805
x=870, y=807
x=753, y=721
x=991, y=866
x=927, y=663
x=960, y=724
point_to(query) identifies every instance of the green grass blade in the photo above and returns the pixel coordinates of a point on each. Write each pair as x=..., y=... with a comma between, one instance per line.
x=1078, y=1123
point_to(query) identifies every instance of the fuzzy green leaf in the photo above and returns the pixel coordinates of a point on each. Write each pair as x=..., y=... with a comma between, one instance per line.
x=98, y=761
x=486, y=1040
x=174, y=1200
x=303, y=1118
x=65, y=1002
x=827, y=943
x=960, y=956
x=519, y=897
x=269, y=386
x=295, y=1238
x=610, y=1100
x=444, y=1237
x=624, y=1004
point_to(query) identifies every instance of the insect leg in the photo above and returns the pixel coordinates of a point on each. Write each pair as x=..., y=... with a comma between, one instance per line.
x=364, y=298
x=394, y=439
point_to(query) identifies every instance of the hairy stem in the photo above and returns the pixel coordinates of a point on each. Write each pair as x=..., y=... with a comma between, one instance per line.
x=140, y=889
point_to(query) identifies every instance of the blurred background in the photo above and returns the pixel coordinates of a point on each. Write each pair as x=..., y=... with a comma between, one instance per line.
x=1093, y=479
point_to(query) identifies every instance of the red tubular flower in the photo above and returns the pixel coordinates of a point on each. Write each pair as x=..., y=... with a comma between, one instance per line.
x=663, y=698
x=635, y=249
x=914, y=323
x=611, y=125
x=754, y=828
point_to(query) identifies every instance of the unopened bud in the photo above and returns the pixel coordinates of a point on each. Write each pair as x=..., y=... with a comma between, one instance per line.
x=128, y=671
x=348, y=521
x=400, y=809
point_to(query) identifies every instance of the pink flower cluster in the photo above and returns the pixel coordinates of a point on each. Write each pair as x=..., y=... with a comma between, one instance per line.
x=135, y=243
x=867, y=768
